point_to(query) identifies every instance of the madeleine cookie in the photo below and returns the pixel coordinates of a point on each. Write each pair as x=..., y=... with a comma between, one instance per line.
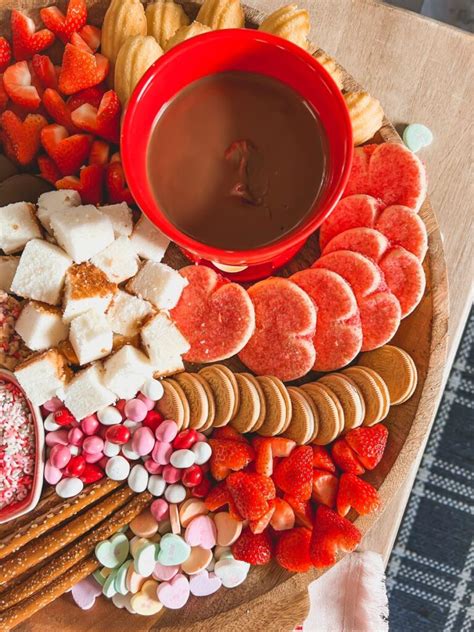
x=174, y=405
x=290, y=23
x=366, y=115
x=349, y=397
x=330, y=413
x=135, y=56
x=375, y=395
x=164, y=18
x=224, y=390
x=123, y=19
x=249, y=410
x=197, y=399
x=222, y=14
x=186, y=32
x=331, y=66
x=301, y=427
x=395, y=368
x=276, y=415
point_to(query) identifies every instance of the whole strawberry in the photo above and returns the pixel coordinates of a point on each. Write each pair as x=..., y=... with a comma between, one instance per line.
x=331, y=533
x=292, y=550
x=294, y=474
x=368, y=443
x=250, y=493
x=254, y=548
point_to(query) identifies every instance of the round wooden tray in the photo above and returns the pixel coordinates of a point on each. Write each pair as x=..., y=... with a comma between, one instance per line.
x=271, y=598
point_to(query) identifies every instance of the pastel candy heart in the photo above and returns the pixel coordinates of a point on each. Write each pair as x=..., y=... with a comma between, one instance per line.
x=204, y=584
x=108, y=589
x=145, y=602
x=85, y=592
x=191, y=508
x=201, y=531
x=173, y=550
x=133, y=581
x=112, y=553
x=175, y=593
x=197, y=561
x=120, y=583
x=228, y=529
x=123, y=601
x=164, y=573
x=231, y=572
x=144, y=561
x=417, y=136
x=100, y=579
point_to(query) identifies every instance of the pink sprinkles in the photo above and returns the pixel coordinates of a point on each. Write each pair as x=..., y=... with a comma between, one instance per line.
x=17, y=445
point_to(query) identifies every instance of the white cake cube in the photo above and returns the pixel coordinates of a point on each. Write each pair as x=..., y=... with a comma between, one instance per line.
x=41, y=272
x=53, y=201
x=8, y=266
x=82, y=231
x=121, y=217
x=148, y=241
x=90, y=336
x=119, y=261
x=41, y=326
x=17, y=226
x=126, y=313
x=86, y=393
x=164, y=344
x=126, y=371
x=43, y=375
x=159, y=284
x=86, y=288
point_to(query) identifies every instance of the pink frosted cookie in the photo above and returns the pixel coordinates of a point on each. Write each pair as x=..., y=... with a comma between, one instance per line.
x=405, y=277
x=403, y=227
x=216, y=317
x=285, y=322
x=380, y=316
x=359, y=176
x=367, y=241
x=338, y=336
x=363, y=275
x=350, y=212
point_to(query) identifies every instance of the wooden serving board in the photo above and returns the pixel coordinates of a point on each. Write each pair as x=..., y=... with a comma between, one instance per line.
x=271, y=598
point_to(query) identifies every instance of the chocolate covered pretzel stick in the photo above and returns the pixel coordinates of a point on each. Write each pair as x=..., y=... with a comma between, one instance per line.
x=71, y=557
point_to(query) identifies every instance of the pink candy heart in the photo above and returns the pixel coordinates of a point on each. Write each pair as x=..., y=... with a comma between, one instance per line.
x=175, y=593
x=204, y=584
x=164, y=573
x=85, y=592
x=201, y=531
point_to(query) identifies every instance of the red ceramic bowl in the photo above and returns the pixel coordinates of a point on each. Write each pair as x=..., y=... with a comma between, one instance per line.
x=237, y=50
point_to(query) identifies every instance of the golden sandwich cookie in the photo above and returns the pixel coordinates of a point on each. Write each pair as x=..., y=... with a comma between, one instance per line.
x=290, y=23
x=164, y=18
x=222, y=14
x=396, y=368
x=173, y=404
x=366, y=115
x=136, y=55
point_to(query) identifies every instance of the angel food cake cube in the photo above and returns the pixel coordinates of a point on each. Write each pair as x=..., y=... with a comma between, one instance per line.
x=164, y=344
x=159, y=284
x=126, y=313
x=43, y=376
x=82, y=231
x=121, y=217
x=86, y=393
x=51, y=202
x=148, y=241
x=90, y=336
x=41, y=326
x=126, y=371
x=8, y=266
x=41, y=272
x=18, y=226
x=118, y=261
x=86, y=288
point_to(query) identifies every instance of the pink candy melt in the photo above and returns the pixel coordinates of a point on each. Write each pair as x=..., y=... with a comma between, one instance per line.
x=135, y=410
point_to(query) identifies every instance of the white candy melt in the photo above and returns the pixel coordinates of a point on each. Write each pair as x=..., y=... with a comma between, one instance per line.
x=156, y=485
x=202, y=452
x=152, y=389
x=109, y=416
x=182, y=458
x=117, y=468
x=175, y=493
x=111, y=449
x=138, y=479
x=69, y=487
x=49, y=424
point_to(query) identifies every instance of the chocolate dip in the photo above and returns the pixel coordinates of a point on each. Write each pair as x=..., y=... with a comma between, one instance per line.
x=237, y=160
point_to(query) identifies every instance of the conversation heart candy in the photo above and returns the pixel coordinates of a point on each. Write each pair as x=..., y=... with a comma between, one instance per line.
x=201, y=531
x=228, y=529
x=416, y=136
x=112, y=553
x=164, y=573
x=85, y=592
x=204, y=583
x=123, y=601
x=144, y=560
x=173, y=550
x=145, y=602
x=133, y=580
x=231, y=572
x=191, y=508
x=108, y=589
x=197, y=560
x=120, y=583
x=175, y=593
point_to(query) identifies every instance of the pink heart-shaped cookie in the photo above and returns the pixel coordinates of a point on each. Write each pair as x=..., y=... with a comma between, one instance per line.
x=204, y=584
x=175, y=593
x=201, y=531
x=216, y=317
x=85, y=592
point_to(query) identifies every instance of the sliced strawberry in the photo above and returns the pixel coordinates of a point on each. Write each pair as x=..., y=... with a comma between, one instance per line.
x=48, y=169
x=65, y=25
x=88, y=185
x=58, y=109
x=368, y=442
x=294, y=474
x=259, y=525
x=229, y=456
x=331, y=533
x=345, y=458
x=284, y=516
x=81, y=70
x=324, y=488
x=226, y=432
x=282, y=446
x=89, y=95
x=356, y=493
x=17, y=82
x=3, y=95
x=45, y=71
x=104, y=121
x=250, y=493
x=218, y=497
x=263, y=457
x=21, y=139
x=27, y=42
x=100, y=151
x=292, y=550
x=303, y=510
x=5, y=53
x=253, y=548
x=88, y=38
x=78, y=42
x=116, y=186
x=321, y=459
x=234, y=511
x=68, y=152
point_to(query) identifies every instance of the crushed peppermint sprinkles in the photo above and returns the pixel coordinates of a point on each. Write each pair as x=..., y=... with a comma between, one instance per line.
x=17, y=445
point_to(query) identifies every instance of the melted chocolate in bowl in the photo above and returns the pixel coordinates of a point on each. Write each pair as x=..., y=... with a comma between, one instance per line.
x=237, y=160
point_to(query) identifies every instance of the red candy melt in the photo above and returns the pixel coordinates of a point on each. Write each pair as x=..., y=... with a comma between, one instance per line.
x=63, y=417
x=192, y=476
x=91, y=473
x=285, y=325
x=405, y=277
x=351, y=212
x=185, y=439
x=118, y=434
x=404, y=228
x=367, y=241
x=216, y=318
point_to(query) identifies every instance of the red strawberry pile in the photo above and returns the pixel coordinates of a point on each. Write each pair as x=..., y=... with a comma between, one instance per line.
x=61, y=121
x=294, y=499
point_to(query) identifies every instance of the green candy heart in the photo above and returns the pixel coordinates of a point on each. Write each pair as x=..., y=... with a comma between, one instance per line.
x=121, y=576
x=145, y=561
x=108, y=589
x=173, y=550
x=99, y=577
x=417, y=136
x=112, y=553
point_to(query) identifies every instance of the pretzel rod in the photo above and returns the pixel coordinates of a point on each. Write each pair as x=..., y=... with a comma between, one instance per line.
x=45, y=546
x=62, y=584
x=59, y=565
x=50, y=519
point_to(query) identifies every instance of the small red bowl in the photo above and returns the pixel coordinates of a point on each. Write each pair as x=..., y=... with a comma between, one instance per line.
x=15, y=510
x=237, y=50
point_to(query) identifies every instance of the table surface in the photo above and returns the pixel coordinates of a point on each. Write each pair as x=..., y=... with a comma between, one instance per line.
x=421, y=71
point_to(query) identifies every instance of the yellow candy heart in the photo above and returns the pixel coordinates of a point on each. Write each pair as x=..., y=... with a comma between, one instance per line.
x=146, y=601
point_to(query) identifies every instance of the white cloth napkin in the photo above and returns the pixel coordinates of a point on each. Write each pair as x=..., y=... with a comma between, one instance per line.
x=351, y=597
